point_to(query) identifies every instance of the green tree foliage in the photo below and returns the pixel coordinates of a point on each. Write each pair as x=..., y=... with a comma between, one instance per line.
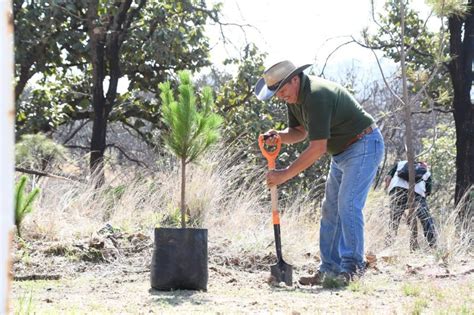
x=38, y=152
x=245, y=116
x=90, y=46
x=190, y=130
x=23, y=201
x=39, y=27
x=441, y=155
x=426, y=51
x=50, y=50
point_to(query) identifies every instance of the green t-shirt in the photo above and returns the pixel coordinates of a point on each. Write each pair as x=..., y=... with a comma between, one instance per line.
x=327, y=111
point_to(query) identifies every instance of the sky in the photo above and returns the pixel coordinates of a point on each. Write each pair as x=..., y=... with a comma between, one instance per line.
x=303, y=31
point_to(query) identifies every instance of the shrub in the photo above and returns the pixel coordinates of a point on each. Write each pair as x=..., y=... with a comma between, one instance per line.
x=36, y=151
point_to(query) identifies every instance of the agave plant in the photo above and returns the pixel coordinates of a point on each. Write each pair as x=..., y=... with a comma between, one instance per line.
x=23, y=201
x=191, y=131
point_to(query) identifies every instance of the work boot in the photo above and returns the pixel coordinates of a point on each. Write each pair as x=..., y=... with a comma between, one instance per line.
x=344, y=278
x=317, y=279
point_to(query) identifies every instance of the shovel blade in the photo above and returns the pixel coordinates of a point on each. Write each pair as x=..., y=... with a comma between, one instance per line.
x=282, y=272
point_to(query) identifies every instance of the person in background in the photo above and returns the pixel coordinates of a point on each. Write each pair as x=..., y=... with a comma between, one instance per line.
x=396, y=182
x=334, y=123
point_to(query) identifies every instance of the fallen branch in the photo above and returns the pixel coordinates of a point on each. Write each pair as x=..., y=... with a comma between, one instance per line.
x=429, y=111
x=455, y=275
x=35, y=277
x=41, y=173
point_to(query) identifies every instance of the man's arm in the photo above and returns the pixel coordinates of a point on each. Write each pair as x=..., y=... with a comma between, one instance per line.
x=312, y=153
x=293, y=135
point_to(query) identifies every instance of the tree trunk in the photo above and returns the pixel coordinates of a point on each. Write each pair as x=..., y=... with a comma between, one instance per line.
x=183, y=193
x=25, y=76
x=97, y=35
x=408, y=137
x=103, y=48
x=460, y=68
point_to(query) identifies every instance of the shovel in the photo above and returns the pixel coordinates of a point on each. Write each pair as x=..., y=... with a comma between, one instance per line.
x=282, y=272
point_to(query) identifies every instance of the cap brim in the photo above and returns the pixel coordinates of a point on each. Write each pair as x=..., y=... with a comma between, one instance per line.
x=263, y=93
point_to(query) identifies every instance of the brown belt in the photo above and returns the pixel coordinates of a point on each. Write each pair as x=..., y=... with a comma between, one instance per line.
x=364, y=132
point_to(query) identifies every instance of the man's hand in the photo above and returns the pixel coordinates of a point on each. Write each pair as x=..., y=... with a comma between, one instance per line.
x=270, y=137
x=288, y=135
x=277, y=177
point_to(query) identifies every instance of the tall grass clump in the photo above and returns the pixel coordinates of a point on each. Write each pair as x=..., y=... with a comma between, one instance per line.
x=455, y=233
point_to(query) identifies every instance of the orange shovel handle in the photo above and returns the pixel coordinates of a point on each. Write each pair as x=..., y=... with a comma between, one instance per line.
x=270, y=155
x=271, y=158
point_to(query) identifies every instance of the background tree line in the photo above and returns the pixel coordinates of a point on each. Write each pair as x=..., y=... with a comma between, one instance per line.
x=72, y=56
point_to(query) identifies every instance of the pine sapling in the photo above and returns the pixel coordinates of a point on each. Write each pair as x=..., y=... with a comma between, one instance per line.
x=191, y=130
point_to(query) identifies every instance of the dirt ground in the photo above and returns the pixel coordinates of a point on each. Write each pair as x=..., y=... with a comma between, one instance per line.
x=111, y=275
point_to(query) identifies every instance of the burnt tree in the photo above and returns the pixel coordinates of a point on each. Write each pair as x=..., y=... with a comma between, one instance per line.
x=461, y=29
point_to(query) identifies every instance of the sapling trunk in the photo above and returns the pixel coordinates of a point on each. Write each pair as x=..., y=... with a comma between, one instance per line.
x=183, y=192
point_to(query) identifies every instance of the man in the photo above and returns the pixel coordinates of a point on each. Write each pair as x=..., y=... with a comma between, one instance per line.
x=397, y=183
x=334, y=123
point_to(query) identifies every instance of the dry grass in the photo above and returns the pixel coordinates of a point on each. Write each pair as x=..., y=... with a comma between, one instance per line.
x=229, y=199
x=232, y=202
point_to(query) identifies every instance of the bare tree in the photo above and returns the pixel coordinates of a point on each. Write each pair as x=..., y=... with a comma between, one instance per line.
x=408, y=135
x=408, y=100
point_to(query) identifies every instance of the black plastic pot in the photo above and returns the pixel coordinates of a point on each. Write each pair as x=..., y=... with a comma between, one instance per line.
x=179, y=260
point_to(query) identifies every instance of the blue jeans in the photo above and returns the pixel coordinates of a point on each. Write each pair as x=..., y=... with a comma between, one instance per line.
x=342, y=221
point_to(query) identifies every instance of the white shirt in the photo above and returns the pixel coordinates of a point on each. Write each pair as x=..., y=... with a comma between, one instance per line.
x=420, y=187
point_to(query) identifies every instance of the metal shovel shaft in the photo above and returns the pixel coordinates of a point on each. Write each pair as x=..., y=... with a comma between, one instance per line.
x=282, y=272
x=276, y=221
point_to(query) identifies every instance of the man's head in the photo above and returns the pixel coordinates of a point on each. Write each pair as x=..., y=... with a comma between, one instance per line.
x=281, y=79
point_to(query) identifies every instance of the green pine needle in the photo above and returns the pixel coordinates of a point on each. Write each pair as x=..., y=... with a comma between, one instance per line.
x=190, y=131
